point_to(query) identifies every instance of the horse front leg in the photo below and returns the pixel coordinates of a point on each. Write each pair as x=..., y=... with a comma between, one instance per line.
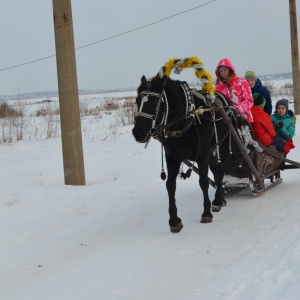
x=217, y=170
x=173, y=167
x=207, y=216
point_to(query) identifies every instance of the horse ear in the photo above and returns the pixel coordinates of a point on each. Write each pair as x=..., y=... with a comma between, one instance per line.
x=143, y=79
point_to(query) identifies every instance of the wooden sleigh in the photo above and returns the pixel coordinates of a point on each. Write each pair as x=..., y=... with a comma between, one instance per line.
x=258, y=168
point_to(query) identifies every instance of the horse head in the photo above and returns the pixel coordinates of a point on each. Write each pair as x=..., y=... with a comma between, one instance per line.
x=149, y=111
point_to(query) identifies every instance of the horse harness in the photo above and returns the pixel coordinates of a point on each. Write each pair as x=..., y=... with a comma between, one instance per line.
x=192, y=114
x=160, y=131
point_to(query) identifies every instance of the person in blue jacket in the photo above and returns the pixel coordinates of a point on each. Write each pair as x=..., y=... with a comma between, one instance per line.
x=257, y=87
x=284, y=124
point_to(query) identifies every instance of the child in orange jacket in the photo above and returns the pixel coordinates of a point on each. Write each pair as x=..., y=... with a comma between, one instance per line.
x=262, y=126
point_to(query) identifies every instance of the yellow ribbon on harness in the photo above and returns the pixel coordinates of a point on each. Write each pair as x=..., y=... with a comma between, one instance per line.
x=190, y=62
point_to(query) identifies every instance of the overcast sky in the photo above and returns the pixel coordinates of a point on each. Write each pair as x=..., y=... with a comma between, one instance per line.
x=253, y=34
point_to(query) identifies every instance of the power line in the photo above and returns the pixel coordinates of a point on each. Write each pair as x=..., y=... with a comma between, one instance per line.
x=112, y=37
x=147, y=25
x=27, y=63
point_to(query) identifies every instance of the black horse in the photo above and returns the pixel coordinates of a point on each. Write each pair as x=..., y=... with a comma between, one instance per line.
x=189, y=128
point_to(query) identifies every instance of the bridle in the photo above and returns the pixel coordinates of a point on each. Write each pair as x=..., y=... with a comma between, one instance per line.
x=160, y=130
x=161, y=99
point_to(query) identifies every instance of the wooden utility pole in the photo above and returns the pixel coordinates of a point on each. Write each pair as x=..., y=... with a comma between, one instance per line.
x=295, y=56
x=68, y=94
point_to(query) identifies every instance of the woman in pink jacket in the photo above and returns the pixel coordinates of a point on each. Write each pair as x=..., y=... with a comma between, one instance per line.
x=235, y=88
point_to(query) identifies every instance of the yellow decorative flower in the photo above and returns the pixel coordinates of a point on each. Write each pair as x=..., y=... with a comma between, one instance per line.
x=169, y=66
x=190, y=62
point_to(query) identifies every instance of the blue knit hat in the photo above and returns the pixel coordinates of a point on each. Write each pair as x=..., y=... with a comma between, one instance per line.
x=283, y=102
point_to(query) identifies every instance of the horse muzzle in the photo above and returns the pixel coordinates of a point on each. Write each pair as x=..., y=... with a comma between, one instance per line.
x=140, y=136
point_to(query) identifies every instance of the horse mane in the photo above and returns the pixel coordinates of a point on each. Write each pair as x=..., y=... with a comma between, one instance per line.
x=158, y=84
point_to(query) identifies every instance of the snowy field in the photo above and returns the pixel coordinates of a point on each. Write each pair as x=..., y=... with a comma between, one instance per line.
x=110, y=239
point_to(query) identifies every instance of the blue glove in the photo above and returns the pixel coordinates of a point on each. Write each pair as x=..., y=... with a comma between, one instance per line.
x=280, y=125
x=287, y=137
x=277, y=124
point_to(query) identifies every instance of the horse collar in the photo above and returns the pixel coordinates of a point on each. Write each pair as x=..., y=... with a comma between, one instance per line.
x=189, y=114
x=190, y=104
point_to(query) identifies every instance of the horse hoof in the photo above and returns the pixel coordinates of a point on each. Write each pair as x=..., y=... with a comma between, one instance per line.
x=215, y=208
x=206, y=220
x=217, y=205
x=177, y=228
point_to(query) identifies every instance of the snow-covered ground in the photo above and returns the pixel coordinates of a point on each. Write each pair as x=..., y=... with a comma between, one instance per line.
x=110, y=239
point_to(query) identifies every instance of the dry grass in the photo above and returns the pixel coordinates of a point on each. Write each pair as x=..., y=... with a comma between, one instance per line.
x=110, y=104
x=13, y=123
x=282, y=91
x=44, y=123
x=7, y=111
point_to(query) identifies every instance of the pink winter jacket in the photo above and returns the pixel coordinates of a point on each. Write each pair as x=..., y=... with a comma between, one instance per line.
x=239, y=91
